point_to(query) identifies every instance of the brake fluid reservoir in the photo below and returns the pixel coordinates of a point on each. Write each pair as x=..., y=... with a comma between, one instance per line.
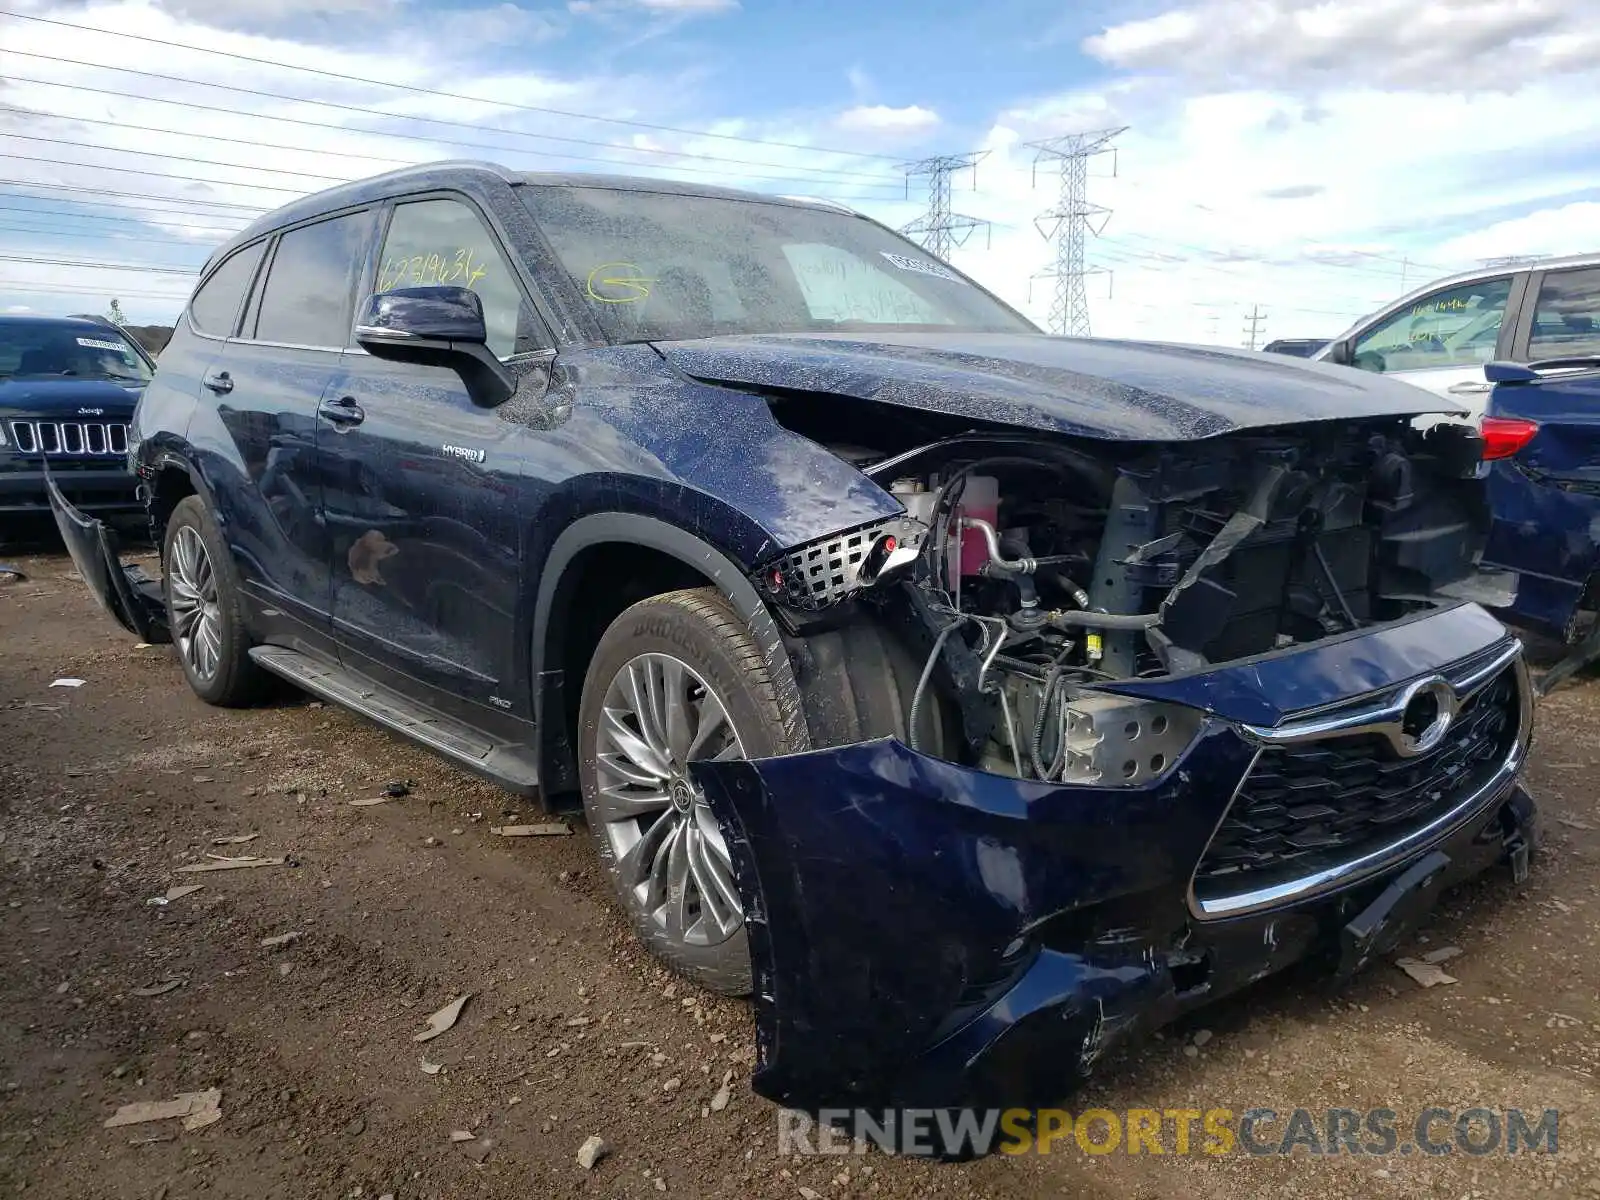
x=980, y=500
x=916, y=497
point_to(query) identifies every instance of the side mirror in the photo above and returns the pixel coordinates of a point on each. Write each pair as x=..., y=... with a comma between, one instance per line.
x=436, y=326
x=1339, y=353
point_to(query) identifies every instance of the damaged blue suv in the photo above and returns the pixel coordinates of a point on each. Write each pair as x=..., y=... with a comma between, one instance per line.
x=972, y=697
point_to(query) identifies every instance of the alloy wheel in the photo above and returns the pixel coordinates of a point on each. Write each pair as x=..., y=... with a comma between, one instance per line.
x=192, y=597
x=669, y=855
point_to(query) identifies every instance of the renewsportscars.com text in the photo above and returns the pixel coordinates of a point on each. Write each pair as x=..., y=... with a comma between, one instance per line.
x=1212, y=1131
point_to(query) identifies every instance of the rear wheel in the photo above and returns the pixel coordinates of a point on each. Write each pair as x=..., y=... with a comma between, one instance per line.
x=675, y=678
x=203, y=609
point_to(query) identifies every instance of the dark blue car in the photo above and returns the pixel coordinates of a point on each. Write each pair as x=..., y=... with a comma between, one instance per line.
x=68, y=386
x=973, y=697
x=1542, y=443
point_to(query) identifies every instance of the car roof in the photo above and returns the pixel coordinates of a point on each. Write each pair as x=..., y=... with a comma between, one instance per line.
x=1561, y=262
x=85, y=323
x=457, y=172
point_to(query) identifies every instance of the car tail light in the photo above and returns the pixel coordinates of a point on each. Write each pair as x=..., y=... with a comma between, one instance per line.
x=1503, y=437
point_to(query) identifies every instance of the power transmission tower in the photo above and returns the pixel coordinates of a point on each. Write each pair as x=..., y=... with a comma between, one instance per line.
x=940, y=230
x=1069, y=309
x=1256, y=320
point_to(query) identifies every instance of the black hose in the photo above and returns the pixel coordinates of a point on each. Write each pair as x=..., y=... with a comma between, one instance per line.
x=1101, y=620
x=1036, y=749
x=942, y=497
x=922, y=683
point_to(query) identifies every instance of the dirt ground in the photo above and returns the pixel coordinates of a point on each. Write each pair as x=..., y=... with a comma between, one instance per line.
x=571, y=1031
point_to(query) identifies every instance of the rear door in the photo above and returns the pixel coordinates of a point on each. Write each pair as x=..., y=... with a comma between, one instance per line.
x=1441, y=341
x=1562, y=317
x=269, y=383
x=422, y=497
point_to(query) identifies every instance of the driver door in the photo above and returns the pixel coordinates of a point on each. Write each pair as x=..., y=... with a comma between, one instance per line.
x=422, y=485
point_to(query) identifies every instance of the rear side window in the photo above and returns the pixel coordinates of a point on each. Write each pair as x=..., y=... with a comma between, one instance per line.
x=1566, y=320
x=215, y=306
x=309, y=297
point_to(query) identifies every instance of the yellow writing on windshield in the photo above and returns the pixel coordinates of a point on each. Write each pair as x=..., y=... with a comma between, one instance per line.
x=460, y=267
x=618, y=283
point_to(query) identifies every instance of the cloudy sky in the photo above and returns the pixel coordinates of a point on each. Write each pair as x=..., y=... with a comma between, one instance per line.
x=1315, y=157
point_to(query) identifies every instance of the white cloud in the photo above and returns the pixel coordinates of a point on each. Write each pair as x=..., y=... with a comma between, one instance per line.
x=684, y=8
x=1567, y=229
x=881, y=118
x=276, y=161
x=1410, y=44
x=18, y=309
x=688, y=6
x=1250, y=174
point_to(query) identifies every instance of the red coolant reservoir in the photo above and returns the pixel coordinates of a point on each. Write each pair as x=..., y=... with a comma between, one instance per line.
x=980, y=500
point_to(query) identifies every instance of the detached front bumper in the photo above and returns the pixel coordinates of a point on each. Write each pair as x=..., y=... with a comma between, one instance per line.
x=927, y=935
x=132, y=599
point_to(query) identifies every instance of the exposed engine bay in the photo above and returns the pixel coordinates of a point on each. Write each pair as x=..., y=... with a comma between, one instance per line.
x=1027, y=571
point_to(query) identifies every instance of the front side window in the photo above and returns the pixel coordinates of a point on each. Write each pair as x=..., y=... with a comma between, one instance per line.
x=1457, y=327
x=215, y=307
x=657, y=265
x=309, y=296
x=1566, y=320
x=443, y=243
x=39, y=350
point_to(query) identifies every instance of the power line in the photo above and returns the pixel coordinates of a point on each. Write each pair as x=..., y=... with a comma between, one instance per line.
x=205, y=162
x=27, y=288
x=102, y=234
x=149, y=268
x=209, y=137
x=77, y=216
x=838, y=175
x=940, y=230
x=422, y=91
x=64, y=187
x=259, y=187
x=718, y=172
x=1069, y=308
x=1256, y=320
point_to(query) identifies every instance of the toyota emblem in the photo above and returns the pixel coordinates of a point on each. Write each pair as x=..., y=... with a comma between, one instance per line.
x=1427, y=708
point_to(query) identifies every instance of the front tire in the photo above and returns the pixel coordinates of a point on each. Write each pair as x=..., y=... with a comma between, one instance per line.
x=674, y=679
x=204, y=611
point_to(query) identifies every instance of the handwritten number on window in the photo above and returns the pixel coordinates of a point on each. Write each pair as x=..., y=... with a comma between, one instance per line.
x=460, y=267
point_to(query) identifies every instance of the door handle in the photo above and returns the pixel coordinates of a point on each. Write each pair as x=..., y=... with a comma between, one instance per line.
x=1467, y=388
x=219, y=382
x=343, y=411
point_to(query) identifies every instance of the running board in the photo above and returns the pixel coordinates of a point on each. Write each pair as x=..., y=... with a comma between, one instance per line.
x=512, y=767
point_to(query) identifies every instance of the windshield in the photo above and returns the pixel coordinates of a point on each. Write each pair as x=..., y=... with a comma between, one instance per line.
x=37, y=350
x=655, y=266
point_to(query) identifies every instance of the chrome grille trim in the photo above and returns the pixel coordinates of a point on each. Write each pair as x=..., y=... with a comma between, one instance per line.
x=1469, y=677
x=70, y=439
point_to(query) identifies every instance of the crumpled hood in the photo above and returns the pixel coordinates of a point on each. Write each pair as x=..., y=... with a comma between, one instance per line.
x=1125, y=391
x=62, y=398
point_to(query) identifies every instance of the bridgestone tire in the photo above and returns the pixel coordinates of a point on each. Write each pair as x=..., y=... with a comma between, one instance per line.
x=236, y=681
x=700, y=631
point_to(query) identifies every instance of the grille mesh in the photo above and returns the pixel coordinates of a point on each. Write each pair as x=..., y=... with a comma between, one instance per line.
x=1307, y=807
x=70, y=439
x=826, y=572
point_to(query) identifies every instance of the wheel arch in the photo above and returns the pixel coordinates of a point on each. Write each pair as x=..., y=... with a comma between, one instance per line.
x=170, y=479
x=561, y=643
